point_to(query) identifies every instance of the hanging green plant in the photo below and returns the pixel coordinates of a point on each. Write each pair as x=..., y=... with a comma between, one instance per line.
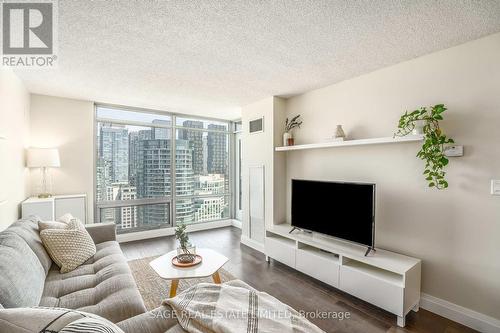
x=432, y=151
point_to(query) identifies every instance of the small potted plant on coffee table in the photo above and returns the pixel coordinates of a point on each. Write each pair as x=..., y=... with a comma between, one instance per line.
x=186, y=252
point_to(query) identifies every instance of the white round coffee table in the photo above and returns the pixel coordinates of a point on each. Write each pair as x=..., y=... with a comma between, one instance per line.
x=209, y=266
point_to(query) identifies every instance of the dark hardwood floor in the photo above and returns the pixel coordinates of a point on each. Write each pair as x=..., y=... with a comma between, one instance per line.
x=294, y=288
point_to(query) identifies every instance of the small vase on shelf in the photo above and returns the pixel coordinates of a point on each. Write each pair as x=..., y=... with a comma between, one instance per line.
x=289, y=126
x=339, y=133
x=287, y=136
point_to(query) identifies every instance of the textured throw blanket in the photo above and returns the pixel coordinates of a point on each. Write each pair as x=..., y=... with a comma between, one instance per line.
x=235, y=307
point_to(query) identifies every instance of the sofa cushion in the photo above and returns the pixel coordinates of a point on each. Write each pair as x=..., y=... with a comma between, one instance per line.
x=69, y=247
x=39, y=319
x=27, y=229
x=159, y=320
x=103, y=285
x=22, y=275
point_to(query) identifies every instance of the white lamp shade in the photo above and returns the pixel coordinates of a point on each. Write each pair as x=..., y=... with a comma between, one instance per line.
x=43, y=157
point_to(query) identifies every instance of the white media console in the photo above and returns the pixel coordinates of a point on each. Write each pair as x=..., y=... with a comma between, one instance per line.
x=386, y=279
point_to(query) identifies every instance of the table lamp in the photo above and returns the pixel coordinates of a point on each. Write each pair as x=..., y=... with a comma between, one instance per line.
x=43, y=158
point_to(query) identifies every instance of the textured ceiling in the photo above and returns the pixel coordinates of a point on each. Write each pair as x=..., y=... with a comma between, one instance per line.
x=211, y=57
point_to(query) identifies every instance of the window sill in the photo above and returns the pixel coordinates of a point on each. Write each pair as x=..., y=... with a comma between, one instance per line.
x=134, y=236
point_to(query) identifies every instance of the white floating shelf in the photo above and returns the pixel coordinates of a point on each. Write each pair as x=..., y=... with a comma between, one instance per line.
x=361, y=142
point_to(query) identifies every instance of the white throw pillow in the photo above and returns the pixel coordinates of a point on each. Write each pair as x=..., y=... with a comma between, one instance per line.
x=59, y=223
x=42, y=225
x=66, y=218
x=69, y=247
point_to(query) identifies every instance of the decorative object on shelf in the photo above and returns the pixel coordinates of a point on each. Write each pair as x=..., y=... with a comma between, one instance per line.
x=433, y=149
x=339, y=133
x=44, y=158
x=186, y=252
x=289, y=126
x=287, y=137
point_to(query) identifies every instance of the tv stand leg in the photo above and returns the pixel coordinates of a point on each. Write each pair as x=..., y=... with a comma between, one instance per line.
x=267, y=259
x=401, y=321
x=292, y=230
x=416, y=307
x=368, y=250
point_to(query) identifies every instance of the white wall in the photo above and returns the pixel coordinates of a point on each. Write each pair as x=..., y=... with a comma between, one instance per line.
x=66, y=124
x=258, y=150
x=14, y=130
x=456, y=232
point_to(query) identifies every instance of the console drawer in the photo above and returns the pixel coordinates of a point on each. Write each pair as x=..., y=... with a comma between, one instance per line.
x=281, y=249
x=384, y=294
x=320, y=265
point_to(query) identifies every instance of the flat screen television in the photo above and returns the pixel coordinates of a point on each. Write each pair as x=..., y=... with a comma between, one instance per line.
x=339, y=209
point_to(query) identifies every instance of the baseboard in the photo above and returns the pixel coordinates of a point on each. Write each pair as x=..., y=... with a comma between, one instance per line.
x=251, y=243
x=464, y=316
x=170, y=231
x=236, y=223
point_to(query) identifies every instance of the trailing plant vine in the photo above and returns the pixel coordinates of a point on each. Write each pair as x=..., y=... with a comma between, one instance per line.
x=432, y=151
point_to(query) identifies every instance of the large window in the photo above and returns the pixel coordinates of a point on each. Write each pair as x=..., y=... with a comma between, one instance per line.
x=156, y=170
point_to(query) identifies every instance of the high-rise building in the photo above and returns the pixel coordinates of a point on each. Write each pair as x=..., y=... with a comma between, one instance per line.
x=125, y=217
x=207, y=209
x=184, y=181
x=154, y=179
x=161, y=132
x=195, y=139
x=210, y=184
x=103, y=176
x=217, y=151
x=113, y=147
x=134, y=138
x=153, y=169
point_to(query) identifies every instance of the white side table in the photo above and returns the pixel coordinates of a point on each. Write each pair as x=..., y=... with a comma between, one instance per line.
x=209, y=266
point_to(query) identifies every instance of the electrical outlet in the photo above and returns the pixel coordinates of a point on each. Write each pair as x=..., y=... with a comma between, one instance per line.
x=495, y=187
x=454, y=151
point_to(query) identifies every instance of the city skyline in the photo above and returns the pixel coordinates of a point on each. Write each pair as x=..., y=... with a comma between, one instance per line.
x=134, y=162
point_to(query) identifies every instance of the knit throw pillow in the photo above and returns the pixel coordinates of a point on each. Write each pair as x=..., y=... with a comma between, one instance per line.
x=69, y=247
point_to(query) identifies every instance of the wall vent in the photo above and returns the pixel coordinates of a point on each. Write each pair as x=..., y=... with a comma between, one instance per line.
x=256, y=125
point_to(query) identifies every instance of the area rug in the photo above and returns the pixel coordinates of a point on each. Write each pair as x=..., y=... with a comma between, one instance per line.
x=154, y=290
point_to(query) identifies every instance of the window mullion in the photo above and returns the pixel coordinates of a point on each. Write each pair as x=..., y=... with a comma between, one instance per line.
x=173, y=173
